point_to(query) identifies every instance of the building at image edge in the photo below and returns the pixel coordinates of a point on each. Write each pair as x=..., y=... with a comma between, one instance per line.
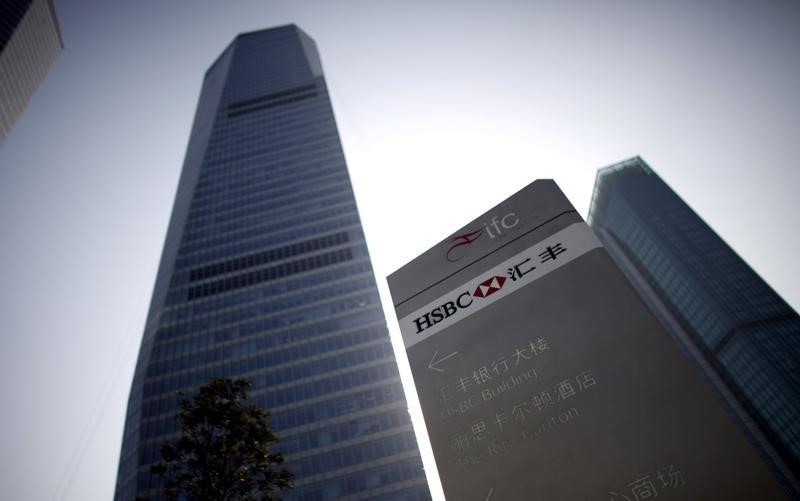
x=30, y=42
x=740, y=334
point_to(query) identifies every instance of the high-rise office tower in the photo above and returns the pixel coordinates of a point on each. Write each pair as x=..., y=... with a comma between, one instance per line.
x=30, y=42
x=265, y=274
x=742, y=336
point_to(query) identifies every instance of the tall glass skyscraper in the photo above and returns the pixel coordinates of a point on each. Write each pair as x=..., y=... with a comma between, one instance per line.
x=30, y=42
x=743, y=337
x=265, y=274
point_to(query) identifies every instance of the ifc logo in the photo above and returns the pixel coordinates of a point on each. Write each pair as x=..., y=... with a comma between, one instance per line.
x=457, y=249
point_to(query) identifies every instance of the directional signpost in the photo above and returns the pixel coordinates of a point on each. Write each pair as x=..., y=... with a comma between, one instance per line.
x=542, y=375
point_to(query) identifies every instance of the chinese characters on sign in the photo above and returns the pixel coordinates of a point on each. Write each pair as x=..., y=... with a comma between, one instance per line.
x=518, y=415
x=498, y=367
x=492, y=379
x=648, y=486
x=523, y=268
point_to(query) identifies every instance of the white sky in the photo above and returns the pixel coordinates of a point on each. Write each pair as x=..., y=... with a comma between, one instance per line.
x=444, y=110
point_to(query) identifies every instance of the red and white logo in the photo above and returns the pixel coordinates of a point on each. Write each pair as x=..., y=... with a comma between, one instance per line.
x=460, y=240
x=489, y=286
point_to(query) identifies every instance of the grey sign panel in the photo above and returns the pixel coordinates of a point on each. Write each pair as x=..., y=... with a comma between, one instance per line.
x=542, y=375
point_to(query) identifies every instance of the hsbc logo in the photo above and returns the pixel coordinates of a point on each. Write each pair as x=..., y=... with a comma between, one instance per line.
x=489, y=286
x=493, y=284
x=446, y=310
x=462, y=301
x=459, y=243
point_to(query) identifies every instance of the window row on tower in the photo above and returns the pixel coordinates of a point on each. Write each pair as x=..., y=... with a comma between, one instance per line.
x=230, y=251
x=271, y=273
x=264, y=257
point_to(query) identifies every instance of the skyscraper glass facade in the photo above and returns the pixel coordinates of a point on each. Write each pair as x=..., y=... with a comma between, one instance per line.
x=265, y=274
x=743, y=336
x=30, y=42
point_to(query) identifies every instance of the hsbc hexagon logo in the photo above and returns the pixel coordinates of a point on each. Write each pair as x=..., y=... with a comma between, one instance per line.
x=489, y=286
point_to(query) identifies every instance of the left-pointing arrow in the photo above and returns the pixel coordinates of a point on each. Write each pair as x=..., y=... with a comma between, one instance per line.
x=436, y=361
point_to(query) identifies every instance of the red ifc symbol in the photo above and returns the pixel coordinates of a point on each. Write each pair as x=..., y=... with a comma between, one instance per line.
x=489, y=286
